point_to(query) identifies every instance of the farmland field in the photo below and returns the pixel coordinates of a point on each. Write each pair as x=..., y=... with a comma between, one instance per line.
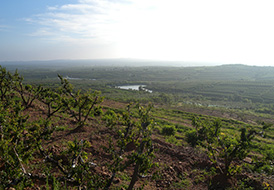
x=231, y=86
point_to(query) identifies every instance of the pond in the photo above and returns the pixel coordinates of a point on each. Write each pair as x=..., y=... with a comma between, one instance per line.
x=134, y=87
x=71, y=78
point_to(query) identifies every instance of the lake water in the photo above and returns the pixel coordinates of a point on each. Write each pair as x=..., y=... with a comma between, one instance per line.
x=133, y=87
x=71, y=78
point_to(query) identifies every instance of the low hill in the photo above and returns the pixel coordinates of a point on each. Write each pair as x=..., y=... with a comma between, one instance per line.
x=61, y=138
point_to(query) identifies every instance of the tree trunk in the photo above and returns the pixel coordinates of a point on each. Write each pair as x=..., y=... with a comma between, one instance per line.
x=134, y=176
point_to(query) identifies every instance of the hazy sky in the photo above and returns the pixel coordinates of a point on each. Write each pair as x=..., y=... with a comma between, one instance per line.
x=224, y=31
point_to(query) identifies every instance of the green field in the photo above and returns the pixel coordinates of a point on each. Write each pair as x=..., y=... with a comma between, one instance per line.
x=230, y=86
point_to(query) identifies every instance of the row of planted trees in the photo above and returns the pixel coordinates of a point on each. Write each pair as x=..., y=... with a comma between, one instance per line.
x=22, y=137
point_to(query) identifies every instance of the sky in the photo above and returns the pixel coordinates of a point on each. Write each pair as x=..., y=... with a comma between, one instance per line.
x=212, y=31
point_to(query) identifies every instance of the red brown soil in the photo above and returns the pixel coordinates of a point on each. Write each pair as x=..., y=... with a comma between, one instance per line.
x=180, y=167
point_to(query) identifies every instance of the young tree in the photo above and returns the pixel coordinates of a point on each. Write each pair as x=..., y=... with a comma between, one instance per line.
x=28, y=93
x=220, y=146
x=79, y=105
x=142, y=157
x=132, y=129
x=7, y=84
x=53, y=101
x=20, y=139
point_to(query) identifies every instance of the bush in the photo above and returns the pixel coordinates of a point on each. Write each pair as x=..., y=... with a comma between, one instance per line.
x=168, y=130
x=191, y=137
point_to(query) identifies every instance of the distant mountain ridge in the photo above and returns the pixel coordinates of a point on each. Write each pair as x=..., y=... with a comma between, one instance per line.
x=156, y=69
x=106, y=62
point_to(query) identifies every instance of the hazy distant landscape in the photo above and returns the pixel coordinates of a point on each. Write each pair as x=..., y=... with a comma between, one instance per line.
x=232, y=86
x=102, y=62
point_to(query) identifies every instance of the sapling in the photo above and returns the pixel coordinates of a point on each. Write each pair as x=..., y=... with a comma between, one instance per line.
x=132, y=129
x=79, y=105
x=220, y=146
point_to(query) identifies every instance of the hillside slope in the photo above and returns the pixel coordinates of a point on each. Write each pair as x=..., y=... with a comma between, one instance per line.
x=61, y=138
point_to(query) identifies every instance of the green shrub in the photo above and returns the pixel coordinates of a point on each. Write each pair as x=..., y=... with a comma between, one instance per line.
x=172, y=139
x=191, y=137
x=168, y=130
x=221, y=146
